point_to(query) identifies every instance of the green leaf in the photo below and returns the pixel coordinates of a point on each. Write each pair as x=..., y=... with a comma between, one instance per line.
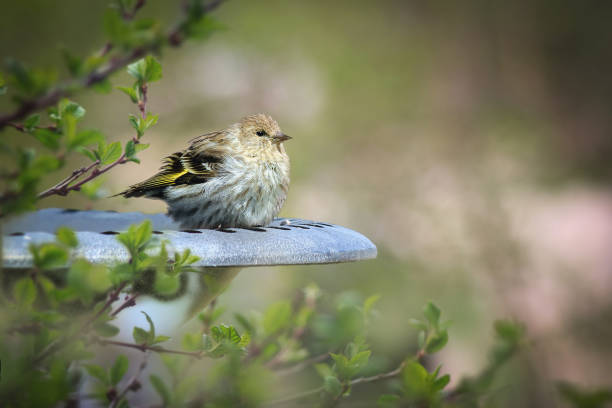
x=342, y=366
x=47, y=138
x=88, y=279
x=135, y=122
x=161, y=389
x=421, y=339
x=432, y=314
x=24, y=291
x=332, y=385
x=31, y=122
x=98, y=373
x=151, y=326
x=46, y=283
x=145, y=70
x=160, y=339
x=166, y=284
x=130, y=149
x=245, y=339
x=149, y=121
x=276, y=317
x=436, y=342
x=49, y=256
x=140, y=147
x=84, y=138
x=118, y=369
x=111, y=153
x=140, y=335
x=417, y=324
x=116, y=28
x=225, y=333
x=369, y=303
x=323, y=369
x=68, y=107
x=359, y=361
x=143, y=233
x=415, y=377
x=129, y=91
x=67, y=237
x=440, y=383
x=87, y=153
x=106, y=329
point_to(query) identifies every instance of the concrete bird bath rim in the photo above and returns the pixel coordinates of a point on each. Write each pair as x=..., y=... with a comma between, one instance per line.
x=286, y=241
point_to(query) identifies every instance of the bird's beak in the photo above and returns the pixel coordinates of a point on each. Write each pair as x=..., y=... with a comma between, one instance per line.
x=280, y=137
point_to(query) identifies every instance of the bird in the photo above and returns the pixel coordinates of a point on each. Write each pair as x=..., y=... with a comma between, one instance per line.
x=237, y=177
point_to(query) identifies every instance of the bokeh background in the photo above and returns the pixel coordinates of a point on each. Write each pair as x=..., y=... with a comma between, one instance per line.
x=471, y=141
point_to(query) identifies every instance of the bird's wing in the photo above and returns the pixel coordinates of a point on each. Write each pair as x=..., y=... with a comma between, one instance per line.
x=197, y=164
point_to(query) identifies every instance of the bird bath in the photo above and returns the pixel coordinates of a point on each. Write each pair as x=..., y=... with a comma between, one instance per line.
x=222, y=253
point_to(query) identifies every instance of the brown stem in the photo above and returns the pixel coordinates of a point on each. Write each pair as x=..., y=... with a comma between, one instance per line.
x=67, y=88
x=61, y=343
x=144, y=347
x=62, y=188
x=359, y=380
x=383, y=376
x=142, y=104
x=132, y=384
x=129, y=302
x=297, y=367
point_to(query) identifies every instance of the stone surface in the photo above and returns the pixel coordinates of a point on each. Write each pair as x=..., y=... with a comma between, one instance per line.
x=285, y=241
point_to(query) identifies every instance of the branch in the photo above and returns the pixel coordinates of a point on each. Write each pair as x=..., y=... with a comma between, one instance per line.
x=61, y=343
x=64, y=187
x=174, y=37
x=129, y=302
x=132, y=385
x=359, y=380
x=144, y=347
x=383, y=376
x=61, y=188
x=67, y=88
x=297, y=367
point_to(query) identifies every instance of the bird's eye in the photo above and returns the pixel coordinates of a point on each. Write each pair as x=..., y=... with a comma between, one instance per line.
x=261, y=133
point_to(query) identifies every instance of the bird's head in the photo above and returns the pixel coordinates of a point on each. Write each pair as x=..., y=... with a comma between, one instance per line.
x=261, y=129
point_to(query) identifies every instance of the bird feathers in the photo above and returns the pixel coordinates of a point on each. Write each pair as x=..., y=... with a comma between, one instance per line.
x=188, y=167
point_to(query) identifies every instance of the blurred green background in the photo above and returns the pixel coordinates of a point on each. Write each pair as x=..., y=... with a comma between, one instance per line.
x=471, y=141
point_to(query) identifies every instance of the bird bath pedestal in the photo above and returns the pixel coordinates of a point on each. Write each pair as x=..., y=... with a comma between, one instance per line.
x=222, y=253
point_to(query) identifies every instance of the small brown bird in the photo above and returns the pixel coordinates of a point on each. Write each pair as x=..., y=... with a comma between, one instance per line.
x=237, y=177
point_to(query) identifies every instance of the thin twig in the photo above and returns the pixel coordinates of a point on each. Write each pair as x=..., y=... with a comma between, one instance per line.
x=67, y=88
x=133, y=384
x=61, y=343
x=20, y=127
x=299, y=366
x=129, y=302
x=359, y=380
x=144, y=347
x=383, y=376
x=60, y=188
x=63, y=187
